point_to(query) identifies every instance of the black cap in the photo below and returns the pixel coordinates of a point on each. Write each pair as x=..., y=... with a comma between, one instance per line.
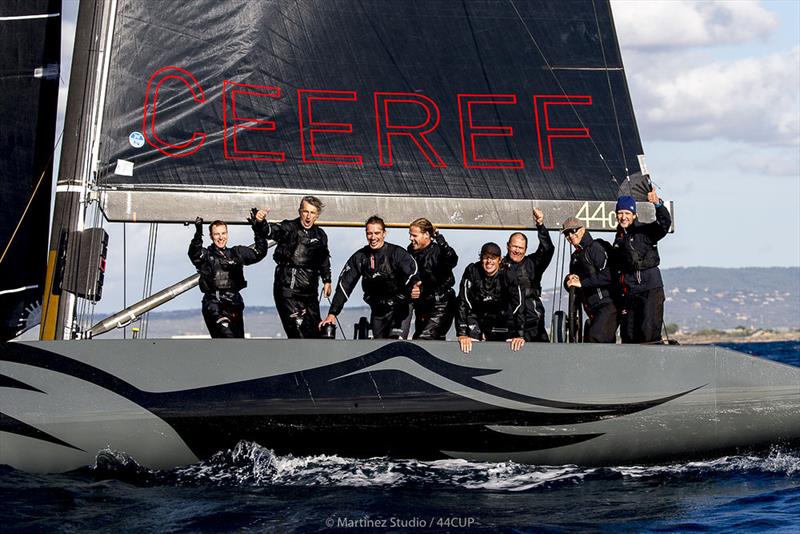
x=491, y=249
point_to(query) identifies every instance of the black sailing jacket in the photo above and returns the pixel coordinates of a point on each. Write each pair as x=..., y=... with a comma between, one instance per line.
x=301, y=256
x=435, y=263
x=489, y=303
x=222, y=269
x=388, y=274
x=590, y=262
x=530, y=270
x=635, y=253
x=528, y=273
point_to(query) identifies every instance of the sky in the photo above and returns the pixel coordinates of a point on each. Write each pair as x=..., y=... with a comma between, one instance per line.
x=716, y=90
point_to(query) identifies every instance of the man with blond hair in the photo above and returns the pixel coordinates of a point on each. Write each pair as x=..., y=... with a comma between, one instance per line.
x=302, y=259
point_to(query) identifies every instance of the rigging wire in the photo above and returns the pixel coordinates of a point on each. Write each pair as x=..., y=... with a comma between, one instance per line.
x=30, y=200
x=149, y=271
x=611, y=92
x=561, y=88
x=555, y=277
x=564, y=248
x=125, y=274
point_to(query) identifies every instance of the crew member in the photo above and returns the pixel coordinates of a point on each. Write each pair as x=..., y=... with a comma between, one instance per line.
x=434, y=301
x=221, y=271
x=302, y=258
x=635, y=257
x=590, y=273
x=528, y=271
x=388, y=274
x=490, y=306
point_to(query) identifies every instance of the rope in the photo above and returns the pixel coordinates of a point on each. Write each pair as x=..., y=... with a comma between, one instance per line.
x=666, y=332
x=30, y=200
x=555, y=278
x=149, y=271
x=611, y=92
x=125, y=274
x=564, y=246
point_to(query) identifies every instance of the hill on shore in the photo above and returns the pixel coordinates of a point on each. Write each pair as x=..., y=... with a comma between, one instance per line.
x=698, y=299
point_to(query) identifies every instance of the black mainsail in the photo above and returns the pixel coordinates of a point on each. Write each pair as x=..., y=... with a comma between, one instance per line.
x=480, y=101
x=30, y=46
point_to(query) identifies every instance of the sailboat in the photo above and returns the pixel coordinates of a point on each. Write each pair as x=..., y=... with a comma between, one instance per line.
x=469, y=113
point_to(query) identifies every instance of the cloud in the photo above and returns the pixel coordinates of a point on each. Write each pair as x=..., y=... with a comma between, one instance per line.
x=754, y=100
x=769, y=163
x=660, y=25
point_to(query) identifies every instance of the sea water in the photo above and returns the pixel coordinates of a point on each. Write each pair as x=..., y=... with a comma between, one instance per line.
x=250, y=489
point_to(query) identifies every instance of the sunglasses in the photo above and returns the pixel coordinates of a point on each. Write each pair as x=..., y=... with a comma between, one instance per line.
x=571, y=231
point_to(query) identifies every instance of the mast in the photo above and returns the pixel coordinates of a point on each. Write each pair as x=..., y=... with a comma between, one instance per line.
x=77, y=162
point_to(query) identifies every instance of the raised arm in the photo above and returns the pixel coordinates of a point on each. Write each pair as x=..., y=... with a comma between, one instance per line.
x=197, y=253
x=258, y=250
x=659, y=228
x=544, y=252
x=277, y=232
x=448, y=258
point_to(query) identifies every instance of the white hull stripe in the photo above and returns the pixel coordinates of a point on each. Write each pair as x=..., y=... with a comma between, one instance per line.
x=30, y=17
x=17, y=290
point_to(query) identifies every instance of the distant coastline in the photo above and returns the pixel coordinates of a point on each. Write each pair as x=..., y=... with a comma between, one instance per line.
x=738, y=335
x=703, y=305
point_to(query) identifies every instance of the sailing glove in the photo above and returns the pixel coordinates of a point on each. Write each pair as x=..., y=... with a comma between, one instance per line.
x=252, y=219
x=255, y=223
x=198, y=226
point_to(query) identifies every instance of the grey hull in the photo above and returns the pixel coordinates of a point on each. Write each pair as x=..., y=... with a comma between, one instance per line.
x=172, y=402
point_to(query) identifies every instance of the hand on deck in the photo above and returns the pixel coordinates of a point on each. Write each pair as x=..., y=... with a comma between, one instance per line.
x=466, y=344
x=516, y=343
x=330, y=319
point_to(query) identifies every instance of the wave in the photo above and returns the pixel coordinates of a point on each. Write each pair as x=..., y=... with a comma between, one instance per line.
x=250, y=464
